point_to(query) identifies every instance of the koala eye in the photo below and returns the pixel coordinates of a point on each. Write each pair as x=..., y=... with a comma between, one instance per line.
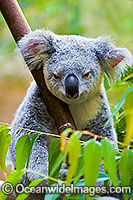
x=56, y=76
x=86, y=75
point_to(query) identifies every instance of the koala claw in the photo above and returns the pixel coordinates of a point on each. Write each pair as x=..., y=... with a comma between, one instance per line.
x=63, y=172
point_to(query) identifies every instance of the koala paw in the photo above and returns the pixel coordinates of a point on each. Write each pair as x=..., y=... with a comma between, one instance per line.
x=63, y=172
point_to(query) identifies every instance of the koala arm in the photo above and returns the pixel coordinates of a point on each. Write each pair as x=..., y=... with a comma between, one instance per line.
x=32, y=114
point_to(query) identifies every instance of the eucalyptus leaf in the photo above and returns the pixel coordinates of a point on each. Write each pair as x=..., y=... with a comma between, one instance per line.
x=119, y=105
x=129, y=118
x=92, y=162
x=80, y=168
x=2, y=127
x=126, y=167
x=5, y=140
x=23, y=148
x=34, y=138
x=13, y=178
x=55, y=158
x=74, y=152
x=34, y=183
x=109, y=161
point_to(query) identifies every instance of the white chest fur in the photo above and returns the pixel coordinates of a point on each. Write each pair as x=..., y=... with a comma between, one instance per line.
x=85, y=111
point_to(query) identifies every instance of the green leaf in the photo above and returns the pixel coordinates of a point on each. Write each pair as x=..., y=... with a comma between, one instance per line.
x=80, y=168
x=5, y=140
x=126, y=167
x=109, y=161
x=129, y=118
x=87, y=142
x=66, y=132
x=23, y=148
x=74, y=152
x=106, y=83
x=119, y=105
x=57, y=164
x=92, y=162
x=55, y=158
x=130, y=80
x=2, y=127
x=34, y=183
x=55, y=144
x=34, y=138
x=77, y=196
x=13, y=178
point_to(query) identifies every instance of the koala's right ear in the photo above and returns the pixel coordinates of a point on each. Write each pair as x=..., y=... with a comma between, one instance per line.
x=35, y=47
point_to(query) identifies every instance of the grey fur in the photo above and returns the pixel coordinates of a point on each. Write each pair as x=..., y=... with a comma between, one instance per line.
x=64, y=55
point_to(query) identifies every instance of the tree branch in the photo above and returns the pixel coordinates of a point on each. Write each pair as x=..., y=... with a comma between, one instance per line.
x=19, y=27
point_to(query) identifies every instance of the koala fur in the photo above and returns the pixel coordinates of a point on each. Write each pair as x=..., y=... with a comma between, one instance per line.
x=66, y=58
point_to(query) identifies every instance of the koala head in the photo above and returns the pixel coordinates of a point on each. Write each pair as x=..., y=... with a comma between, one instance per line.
x=73, y=66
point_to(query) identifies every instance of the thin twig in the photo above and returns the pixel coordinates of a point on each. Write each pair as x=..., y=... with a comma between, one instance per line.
x=82, y=132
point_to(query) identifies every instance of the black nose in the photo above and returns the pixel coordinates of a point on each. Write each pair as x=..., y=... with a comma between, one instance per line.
x=72, y=85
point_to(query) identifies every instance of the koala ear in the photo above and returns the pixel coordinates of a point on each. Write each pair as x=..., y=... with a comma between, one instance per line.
x=35, y=48
x=113, y=60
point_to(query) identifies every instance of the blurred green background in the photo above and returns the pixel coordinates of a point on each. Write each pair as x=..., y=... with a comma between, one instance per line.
x=85, y=17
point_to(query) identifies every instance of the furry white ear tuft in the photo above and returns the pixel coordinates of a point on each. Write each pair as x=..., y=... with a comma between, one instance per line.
x=128, y=57
x=113, y=59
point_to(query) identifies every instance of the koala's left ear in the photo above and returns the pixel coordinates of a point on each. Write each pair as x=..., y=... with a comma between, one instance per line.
x=113, y=60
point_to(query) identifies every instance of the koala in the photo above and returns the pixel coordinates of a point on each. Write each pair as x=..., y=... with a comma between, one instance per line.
x=73, y=68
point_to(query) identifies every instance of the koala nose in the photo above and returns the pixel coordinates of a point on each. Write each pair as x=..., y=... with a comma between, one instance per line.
x=72, y=85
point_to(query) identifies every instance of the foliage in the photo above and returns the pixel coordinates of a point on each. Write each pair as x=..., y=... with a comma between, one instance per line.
x=5, y=139
x=91, y=155
x=122, y=112
x=14, y=178
x=23, y=148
